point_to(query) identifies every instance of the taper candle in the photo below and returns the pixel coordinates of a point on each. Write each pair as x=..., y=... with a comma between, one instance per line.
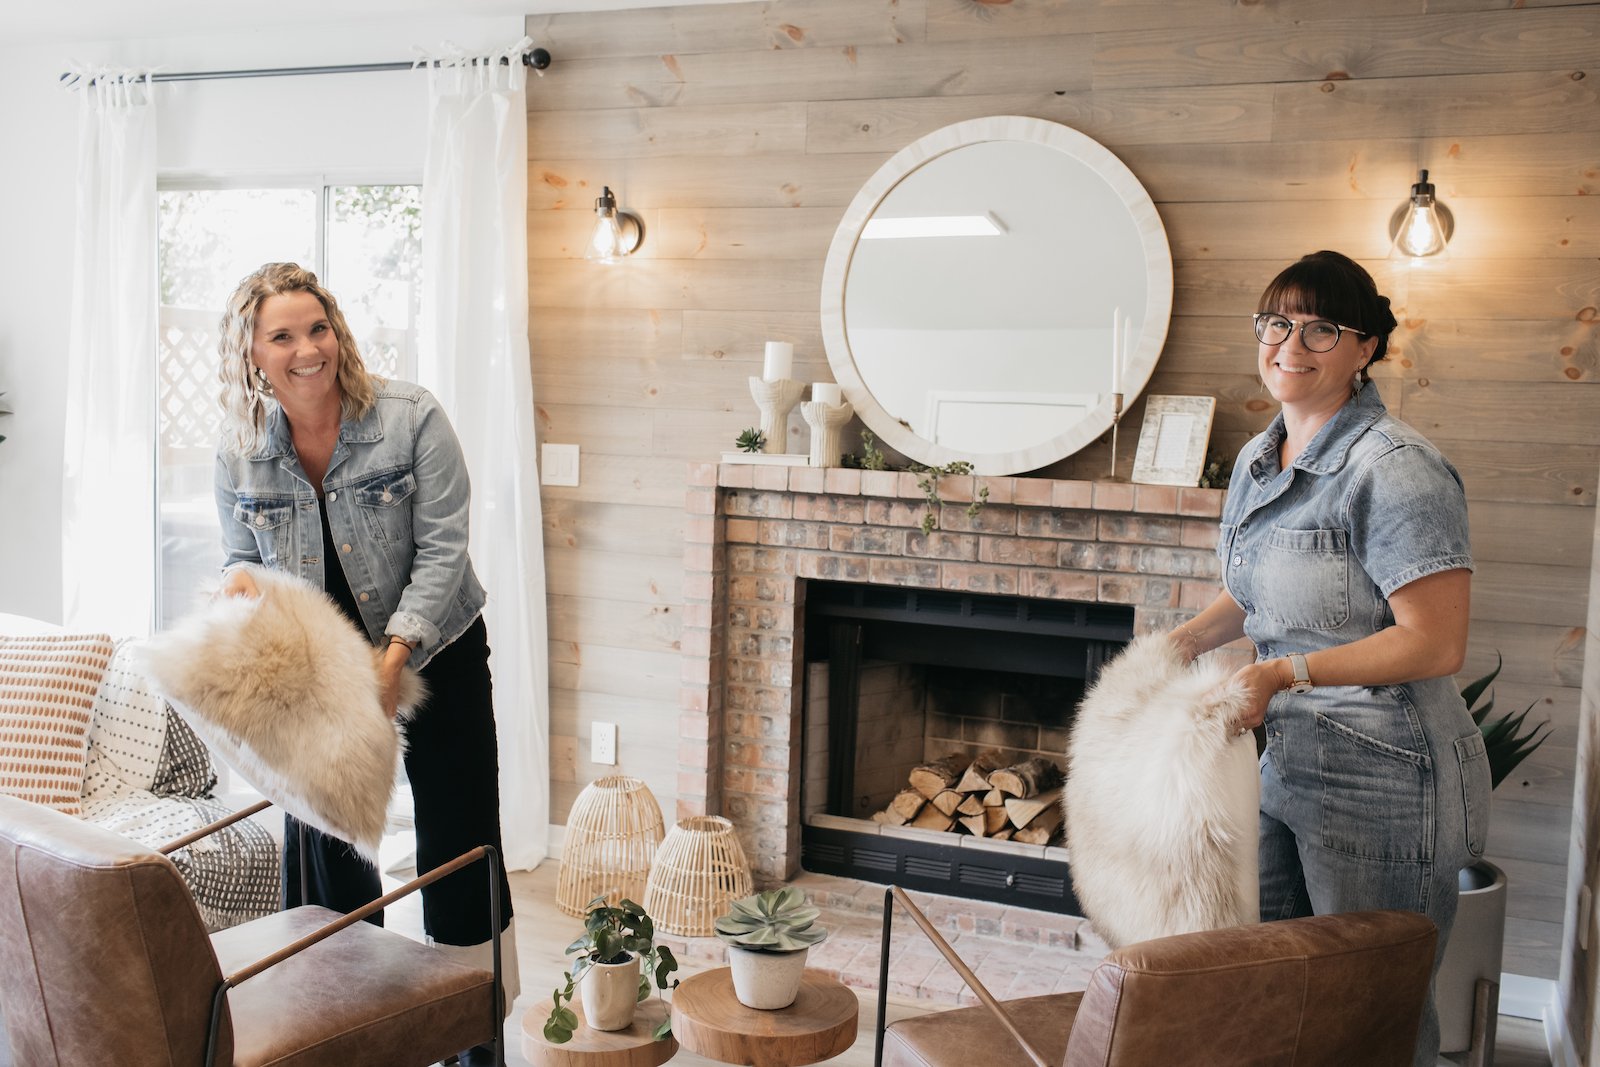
x=1116, y=350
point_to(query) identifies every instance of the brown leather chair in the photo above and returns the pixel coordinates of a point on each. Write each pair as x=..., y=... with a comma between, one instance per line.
x=104, y=959
x=1328, y=991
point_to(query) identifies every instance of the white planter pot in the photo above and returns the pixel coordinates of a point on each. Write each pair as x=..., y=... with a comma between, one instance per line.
x=610, y=993
x=766, y=979
x=1474, y=951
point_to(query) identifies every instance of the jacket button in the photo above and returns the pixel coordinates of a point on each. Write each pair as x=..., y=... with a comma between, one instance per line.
x=344, y=548
x=261, y=520
x=365, y=598
x=333, y=496
x=1238, y=561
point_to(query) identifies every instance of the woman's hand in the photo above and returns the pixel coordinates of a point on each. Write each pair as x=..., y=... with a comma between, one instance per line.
x=394, y=657
x=239, y=583
x=1260, y=681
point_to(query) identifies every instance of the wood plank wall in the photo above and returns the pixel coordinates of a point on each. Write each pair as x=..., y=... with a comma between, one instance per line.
x=1262, y=130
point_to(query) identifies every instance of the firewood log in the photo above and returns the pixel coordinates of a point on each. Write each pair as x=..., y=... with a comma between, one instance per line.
x=974, y=825
x=931, y=779
x=931, y=818
x=889, y=817
x=1042, y=828
x=1023, y=810
x=994, y=820
x=907, y=803
x=1027, y=779
x=976, y=777
x=994, y=799
x=1003, y=834
x=948, y=800
x=970, y=805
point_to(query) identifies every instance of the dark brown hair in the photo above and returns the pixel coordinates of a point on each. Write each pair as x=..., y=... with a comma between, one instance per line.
x=1338, y=288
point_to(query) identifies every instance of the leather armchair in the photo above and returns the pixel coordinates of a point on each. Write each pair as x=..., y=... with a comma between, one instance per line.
x=1326, y=991
x=105, y=959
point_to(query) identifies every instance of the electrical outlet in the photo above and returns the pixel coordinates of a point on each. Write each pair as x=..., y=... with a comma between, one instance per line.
x=558, y=464
x=603, y=743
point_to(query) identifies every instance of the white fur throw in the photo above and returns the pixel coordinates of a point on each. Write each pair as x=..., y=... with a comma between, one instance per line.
x=1162, y=798
x=286, y=689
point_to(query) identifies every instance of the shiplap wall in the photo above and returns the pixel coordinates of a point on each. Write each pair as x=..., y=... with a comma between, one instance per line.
x=1262, y=131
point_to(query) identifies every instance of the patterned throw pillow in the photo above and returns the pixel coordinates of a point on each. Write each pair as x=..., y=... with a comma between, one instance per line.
x=185, y=769
x=47, y=689
x=128, y=732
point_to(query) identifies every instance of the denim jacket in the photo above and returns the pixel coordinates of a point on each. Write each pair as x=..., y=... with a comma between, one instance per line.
x=396, y=493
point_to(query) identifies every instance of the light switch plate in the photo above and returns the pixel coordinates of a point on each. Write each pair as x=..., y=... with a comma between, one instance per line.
x=603, y=743
x=558, y=465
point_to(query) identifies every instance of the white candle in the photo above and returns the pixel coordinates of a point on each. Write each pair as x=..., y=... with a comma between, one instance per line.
x=827, y=392
x=779, y=363
x=1116, y=350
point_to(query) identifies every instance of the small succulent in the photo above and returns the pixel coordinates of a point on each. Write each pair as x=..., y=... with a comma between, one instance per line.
x=752, y=440
x=775, y=920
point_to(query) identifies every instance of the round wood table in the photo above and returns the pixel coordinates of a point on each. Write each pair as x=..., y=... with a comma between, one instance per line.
x=633, y=1047
x=708, y=1019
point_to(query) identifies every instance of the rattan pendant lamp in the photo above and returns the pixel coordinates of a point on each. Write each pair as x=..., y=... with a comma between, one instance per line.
x=612, y=834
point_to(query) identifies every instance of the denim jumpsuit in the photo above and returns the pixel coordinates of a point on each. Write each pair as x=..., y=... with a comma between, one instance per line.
x=1371, y=796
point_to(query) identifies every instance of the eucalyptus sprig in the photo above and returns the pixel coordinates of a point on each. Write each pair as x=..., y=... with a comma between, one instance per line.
x=612, y=935
x=928, y=482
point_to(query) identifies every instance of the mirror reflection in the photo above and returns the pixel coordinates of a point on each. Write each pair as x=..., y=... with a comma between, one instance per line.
x=972, y=297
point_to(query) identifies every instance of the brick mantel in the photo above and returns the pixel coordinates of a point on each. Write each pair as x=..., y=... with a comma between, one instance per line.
x=754, y=532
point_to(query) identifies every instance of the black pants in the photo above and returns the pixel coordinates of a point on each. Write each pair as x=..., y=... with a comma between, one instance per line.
x=453, y=763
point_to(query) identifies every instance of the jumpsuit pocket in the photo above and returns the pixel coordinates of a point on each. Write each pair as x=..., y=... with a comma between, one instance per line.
x=269, y=519
x=1376, y=797
x=1308, y=574
x=385, y=505
x=1474, y=760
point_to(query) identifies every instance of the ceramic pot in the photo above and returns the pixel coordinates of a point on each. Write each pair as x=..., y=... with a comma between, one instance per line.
x=1474, y=951
x=766, y=979
x=610, y=993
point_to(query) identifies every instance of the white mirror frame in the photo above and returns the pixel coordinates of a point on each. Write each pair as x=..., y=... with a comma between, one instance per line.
x=1143, y=352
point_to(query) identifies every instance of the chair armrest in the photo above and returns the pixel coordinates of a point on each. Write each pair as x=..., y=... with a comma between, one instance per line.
x=895, y=895
x=206, y=831
x=245, y=973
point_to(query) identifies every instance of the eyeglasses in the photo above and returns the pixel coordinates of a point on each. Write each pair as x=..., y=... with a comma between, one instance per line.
x=1318, y=335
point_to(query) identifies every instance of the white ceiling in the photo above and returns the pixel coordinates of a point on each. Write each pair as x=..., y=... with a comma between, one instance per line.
x=24, y=21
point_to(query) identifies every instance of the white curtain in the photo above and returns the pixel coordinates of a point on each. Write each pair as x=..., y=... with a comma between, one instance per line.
x=474, y=356
x=108, y=520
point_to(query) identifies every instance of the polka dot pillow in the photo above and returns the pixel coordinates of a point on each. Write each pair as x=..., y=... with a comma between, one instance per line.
x=48, y=684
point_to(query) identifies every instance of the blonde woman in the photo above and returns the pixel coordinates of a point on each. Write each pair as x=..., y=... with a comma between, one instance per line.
x=359, y=486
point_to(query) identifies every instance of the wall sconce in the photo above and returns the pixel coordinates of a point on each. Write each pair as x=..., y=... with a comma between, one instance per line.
x=616, y=233
x=1423, y=226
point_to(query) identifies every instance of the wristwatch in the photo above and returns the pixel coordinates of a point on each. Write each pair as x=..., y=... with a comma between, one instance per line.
x=1302, y=677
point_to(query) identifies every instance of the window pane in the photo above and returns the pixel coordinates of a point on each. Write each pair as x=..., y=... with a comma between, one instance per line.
x=374, y=264
x=208, y=240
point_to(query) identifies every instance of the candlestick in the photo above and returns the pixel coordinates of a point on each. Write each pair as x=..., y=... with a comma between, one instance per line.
x=827, y=422
x=775, y=400
x=1116, y=350
x=779, y=361
x=1116, y=420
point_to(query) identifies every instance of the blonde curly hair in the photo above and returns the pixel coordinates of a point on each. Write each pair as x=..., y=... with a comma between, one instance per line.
x=246, y=397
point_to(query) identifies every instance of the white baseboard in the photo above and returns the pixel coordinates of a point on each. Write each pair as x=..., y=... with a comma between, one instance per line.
x=557, y=840
x=1523, y=997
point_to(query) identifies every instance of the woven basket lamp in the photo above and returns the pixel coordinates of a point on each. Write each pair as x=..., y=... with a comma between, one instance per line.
x=612, y=834
x=699, y=870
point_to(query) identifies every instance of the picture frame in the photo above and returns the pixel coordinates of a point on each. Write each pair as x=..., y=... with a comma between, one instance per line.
x=1173, y=440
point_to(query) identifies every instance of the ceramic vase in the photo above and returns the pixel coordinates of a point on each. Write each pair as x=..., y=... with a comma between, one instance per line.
x=610, y=994
x=766, y=980
x=1474, y=951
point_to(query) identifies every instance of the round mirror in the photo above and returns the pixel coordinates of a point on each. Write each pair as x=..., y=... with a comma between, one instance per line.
x=980, y=287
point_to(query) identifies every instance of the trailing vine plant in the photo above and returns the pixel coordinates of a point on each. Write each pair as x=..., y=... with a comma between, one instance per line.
x=872, y=459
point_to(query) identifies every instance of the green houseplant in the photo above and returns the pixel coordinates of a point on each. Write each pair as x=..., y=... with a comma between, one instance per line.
x=615, y=940
x=1475, y=952
x=768, y=936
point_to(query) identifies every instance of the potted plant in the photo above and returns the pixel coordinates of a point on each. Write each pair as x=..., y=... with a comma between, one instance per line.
x=769, y=935
x=615, y=941
x=1476, y=946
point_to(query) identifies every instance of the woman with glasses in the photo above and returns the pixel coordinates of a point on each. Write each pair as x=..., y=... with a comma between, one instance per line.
x=1345, y=562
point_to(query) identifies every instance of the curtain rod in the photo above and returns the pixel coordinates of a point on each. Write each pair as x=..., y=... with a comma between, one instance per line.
x=538, y=59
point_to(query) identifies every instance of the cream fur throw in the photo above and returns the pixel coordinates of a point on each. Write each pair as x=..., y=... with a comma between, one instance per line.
x=1162, y=798
x=285, y=688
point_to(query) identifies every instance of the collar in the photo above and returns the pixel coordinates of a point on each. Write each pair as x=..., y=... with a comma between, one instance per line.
x=1330, y=448
x=365, y=430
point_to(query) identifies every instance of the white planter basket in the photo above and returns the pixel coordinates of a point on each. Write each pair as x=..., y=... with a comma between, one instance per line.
x=766, y=980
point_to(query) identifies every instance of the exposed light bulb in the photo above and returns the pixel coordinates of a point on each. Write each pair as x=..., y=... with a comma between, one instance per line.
x=616, y=233
x=1422, y=231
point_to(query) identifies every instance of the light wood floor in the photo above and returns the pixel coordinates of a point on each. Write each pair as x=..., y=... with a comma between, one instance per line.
x=543, y=932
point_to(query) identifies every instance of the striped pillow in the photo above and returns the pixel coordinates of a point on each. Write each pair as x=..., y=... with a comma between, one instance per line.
x=47, y=689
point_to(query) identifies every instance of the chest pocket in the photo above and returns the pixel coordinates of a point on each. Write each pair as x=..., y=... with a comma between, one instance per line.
x=269, y=519
x=1303, y=578
x=384, y=502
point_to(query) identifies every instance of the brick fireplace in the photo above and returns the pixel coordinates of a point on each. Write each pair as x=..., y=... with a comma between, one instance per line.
x=756, y=534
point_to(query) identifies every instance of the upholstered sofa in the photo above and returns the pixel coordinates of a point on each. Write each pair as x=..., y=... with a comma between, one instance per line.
x=136, y=768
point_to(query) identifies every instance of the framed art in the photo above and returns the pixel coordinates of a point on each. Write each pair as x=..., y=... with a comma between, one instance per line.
x=1172, y=442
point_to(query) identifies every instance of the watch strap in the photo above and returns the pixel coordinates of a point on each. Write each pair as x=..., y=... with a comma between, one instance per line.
x=1302, y=674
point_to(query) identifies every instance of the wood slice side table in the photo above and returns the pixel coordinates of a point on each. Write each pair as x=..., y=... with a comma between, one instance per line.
x=708, y=1019
x=633, y=1047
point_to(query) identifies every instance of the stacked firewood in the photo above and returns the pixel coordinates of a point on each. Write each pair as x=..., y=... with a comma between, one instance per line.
x=984, y=797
